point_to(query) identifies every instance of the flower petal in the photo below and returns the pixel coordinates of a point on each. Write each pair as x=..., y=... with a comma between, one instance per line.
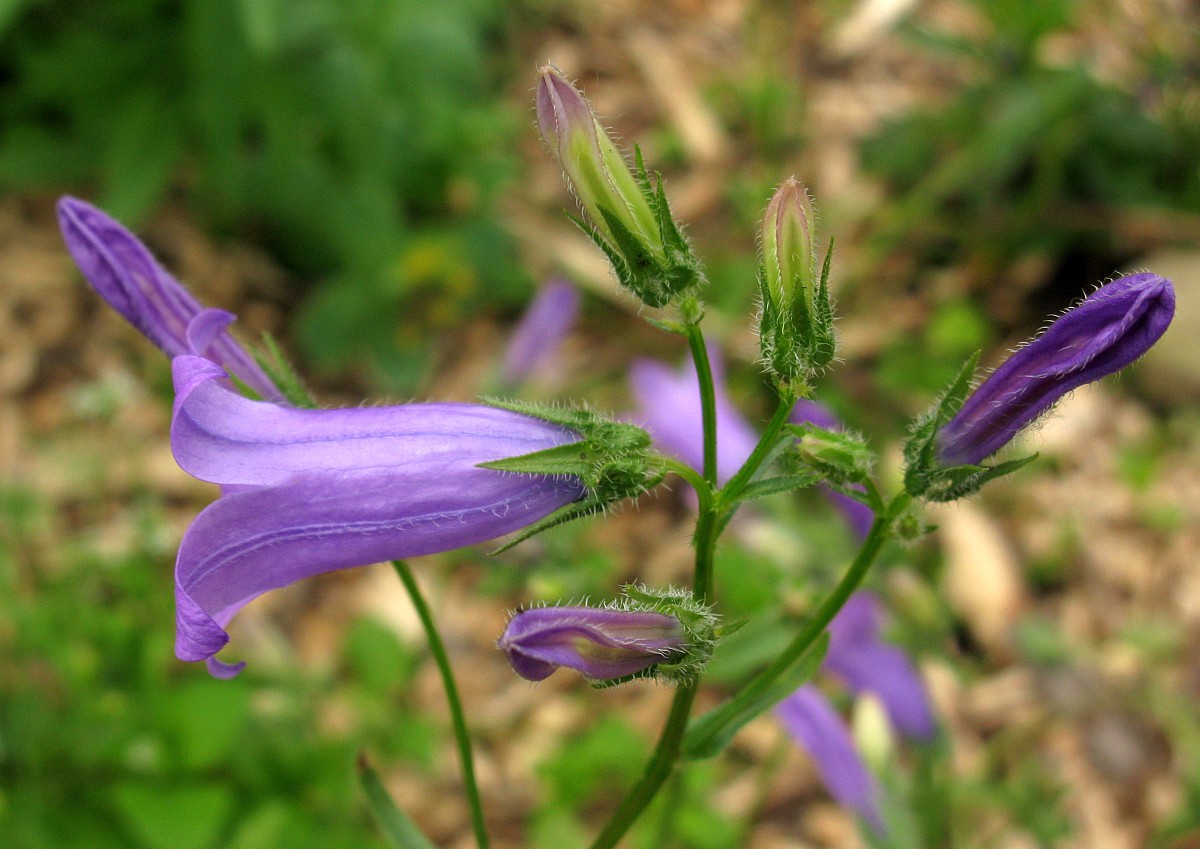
x=541, y=331
x=255, y=540
x=809, y=718
x=219, y=436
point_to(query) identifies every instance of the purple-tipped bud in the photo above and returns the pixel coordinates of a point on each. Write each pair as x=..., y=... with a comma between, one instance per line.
x=600, y=643
x=789, y=258
x=597, y=172
x=541, y=330
x=1107, y=331
x=125, y=273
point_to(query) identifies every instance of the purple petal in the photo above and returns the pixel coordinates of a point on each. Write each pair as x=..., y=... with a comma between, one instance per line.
x=1107, y=331
x=120, y=268
x=669, y=408
x=867, y=664
x=219, y=436
x=809, y=718
x=598, y=642
x=541, y=331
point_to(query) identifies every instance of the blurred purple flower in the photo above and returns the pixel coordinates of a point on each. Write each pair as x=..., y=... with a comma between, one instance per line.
x=541, y=330
x=600, y=643
x=1107, y=331
x=311, y=491
x=120, y=268
x=811, y=721
x=669, y=408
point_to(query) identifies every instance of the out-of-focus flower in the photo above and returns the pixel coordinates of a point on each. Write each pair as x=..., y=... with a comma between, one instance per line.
x=120, y=268
x=1107, y=331
x=813, y=723
x=541, y=330
x=598, y=642
x=668, y=404
x=311, y=491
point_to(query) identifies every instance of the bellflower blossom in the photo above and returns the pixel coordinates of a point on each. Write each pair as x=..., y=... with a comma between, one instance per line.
x=1107, y=331
x=600, y=643
x=541, y=331
x=305, y=491
x=120, y=268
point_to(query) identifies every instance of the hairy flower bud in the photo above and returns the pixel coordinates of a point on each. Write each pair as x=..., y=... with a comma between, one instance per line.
x=789, y=255
x=660, y=633
x=601, y=644
x=1107, y=331
x=629, y=215
x=796, y=324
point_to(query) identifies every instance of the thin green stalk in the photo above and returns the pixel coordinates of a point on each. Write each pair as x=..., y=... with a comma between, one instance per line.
x=708, y=401
x=829, y=608
x=670, y=742
x=462, y=735
x=761, y=452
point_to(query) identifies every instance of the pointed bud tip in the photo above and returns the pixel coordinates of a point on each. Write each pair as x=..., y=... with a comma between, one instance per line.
x=561, y=108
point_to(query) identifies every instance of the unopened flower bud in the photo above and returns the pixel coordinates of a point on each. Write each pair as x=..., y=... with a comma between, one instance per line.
x=600, y=643
x=1107, y=331
x=796, y=324
x=628, y=211
x=789, y=256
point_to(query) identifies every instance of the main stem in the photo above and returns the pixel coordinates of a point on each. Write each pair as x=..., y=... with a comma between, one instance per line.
x=457, y=718
x=666, y=752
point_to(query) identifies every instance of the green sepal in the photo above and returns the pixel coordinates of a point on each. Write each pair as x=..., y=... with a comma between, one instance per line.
x=397, y=826
x=954, y=482
x=589, y=506
x=783, y=483
x=920, y=451
x=708, y=735
x=840, y=457
x=573, y=458
x=283, y=374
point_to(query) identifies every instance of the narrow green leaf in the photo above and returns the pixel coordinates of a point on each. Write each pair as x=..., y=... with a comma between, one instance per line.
x=784, y=483
x=709, y=734
x=396, y=825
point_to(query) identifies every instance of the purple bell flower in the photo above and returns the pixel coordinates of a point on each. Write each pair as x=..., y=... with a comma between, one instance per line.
x=541, y=331
x=600, y=643
x=669, y=408
x=1107, y=331
x=311, y=491
x=122, y=270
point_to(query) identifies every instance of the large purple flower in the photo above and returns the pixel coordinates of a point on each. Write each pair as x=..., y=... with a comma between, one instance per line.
x=1107, y=331
x=120, y=268
x=310, y=491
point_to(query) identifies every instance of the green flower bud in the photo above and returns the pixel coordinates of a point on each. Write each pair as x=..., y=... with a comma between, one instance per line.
x=628, y=211
x=789, y=255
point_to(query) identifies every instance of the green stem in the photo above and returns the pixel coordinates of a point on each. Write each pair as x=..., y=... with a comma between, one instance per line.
x=670, y=741
x=762, y=450
x=708, y=401
x=829, y=608
x=704, y=491
x=458, y=719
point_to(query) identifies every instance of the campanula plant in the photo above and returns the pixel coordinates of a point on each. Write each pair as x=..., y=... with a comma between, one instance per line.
x=306, y=490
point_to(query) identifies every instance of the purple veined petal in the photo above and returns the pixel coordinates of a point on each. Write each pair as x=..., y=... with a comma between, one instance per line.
x=120, y=268
x=222, y=437
x=812, y=722
x=1107, y=331
x=255, y=540
x=597, y=642
x=541, y=331
x=669, y=408
x=866, y=663
x=858, y=516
